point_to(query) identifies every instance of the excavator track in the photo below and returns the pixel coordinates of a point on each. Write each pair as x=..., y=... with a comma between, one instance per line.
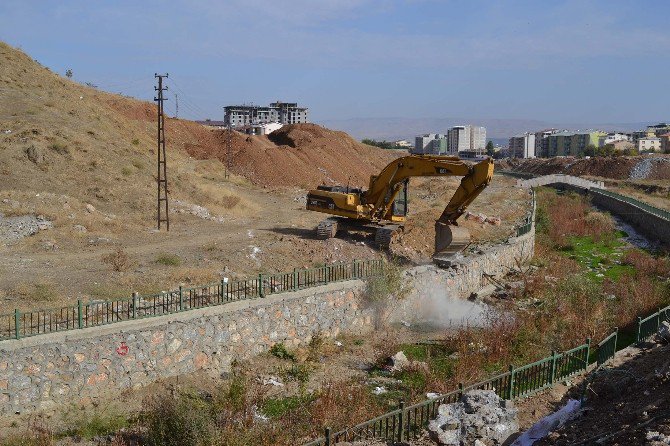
x=327, y=229
x=384, y=235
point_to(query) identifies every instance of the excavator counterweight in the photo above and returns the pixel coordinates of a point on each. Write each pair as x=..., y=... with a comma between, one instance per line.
x=383, y=207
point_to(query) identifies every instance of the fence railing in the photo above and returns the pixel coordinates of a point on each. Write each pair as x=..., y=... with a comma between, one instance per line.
x=407, y=422
x=648, y=327
x=607, y=348
x=527, y=226
x=642, y=205
x=21, y=324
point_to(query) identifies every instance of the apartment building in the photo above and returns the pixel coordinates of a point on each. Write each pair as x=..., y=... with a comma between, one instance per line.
x=542, y=143
x=572, y=143
x=649, y=143
x=611, y=138
x=522, y=146
x=281, y=112
x=431, y=143
x=467, y=140
x=665, y=142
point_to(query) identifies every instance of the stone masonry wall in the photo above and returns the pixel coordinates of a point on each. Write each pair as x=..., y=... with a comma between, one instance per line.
x=80, y=366
x=652, y=226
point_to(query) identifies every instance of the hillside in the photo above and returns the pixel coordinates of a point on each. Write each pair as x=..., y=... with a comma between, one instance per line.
x=77, y=195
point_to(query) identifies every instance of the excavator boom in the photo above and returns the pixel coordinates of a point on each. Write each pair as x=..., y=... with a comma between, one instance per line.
x=376, y=205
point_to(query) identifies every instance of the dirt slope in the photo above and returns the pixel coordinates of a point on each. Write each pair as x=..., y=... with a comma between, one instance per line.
x=656, y=167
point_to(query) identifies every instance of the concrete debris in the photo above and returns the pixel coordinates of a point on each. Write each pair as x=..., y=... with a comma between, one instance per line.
x=79, y=228
x=481, y=218
x=398, y=362
x=182, y=207
x=644, y=168
x=13, y=229
x=480, y=415
x=90, y=208
x=272, y=381
x=379, y=390
x=431, y=395
x=339, y=344
x=657, y=438
x=259, y=417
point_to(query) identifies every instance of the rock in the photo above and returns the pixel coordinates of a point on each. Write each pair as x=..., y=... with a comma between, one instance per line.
x=35, y=155
x=398, y=362
x=80, y=228
x=664, y=331
x=89, y=208
x=480, y=416
x=495, y=221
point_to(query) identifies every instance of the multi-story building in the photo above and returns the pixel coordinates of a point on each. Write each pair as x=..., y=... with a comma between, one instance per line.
x=611, y=138
x=431, y=143
x=659, y=129
x=649, y=143
x=467, y=140
x=572, y=143
x=665, y=142
x=522, y=146
x=541, y=142
x=281, y=112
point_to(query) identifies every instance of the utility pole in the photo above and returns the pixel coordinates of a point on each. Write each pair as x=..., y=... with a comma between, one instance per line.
x=162, y=162
x=176, y=105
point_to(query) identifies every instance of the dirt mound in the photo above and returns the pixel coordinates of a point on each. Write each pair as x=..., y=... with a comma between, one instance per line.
x=655, y=167
x=302, y=155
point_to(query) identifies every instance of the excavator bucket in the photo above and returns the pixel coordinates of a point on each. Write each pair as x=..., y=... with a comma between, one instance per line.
x=450, y=239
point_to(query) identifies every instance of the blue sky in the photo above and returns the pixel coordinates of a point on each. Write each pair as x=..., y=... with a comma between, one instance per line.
x=566, y=61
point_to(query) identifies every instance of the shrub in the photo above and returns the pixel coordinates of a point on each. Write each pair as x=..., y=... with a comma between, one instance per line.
x=118, y=259
x=60, y=149
x=182, y=419
x=126, y=171
x=43, y=292
x=168, y=260
x=382, y=289
x=279, y=350
x=135, y=142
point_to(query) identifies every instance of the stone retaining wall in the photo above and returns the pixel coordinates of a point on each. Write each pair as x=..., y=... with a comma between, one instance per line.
x=80, y=366
x=652, y=226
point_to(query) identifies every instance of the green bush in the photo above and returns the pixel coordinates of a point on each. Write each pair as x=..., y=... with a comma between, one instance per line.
x=184, y=419
x=279, y=350
x=168, y=260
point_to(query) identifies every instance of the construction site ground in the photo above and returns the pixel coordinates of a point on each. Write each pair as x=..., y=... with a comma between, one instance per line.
x=80, y=164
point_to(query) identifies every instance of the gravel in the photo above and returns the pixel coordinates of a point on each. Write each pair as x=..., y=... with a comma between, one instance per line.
x=644, y=168
x=13, y=229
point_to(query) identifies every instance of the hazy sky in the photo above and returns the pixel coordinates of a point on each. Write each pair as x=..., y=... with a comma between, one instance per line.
x=568, y=61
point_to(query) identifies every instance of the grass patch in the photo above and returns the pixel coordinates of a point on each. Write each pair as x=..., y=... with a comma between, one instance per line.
x=126, y=171
x=60, y=148
x=601, y=258
x=276, y=407
x=98, y=424
x=168, y=260
x=135, y=142
x=279, y=350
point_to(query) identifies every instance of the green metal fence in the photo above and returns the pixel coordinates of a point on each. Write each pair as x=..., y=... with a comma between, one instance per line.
x=648, y=327
x=640, y=204
x=607, y=348
x=20, y=324
x=527, y=226
x=407, y=422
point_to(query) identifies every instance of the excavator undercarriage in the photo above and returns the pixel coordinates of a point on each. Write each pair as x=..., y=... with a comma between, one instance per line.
x=382, y=209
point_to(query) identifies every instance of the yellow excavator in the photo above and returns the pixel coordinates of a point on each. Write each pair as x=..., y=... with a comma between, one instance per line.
x=382, y=208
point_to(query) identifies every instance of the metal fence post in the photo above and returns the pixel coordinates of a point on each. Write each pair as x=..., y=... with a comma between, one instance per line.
x=401, y=418
x=588, y=353
x=260, y=285
x=639, y=329
x=80, y=316
x=181, y=298
x=223, y=286
x=17, y=322
x=327, y=435
x=510, y=391
x=460, y=390
x=326, y=272
x=658, y=319
x=553, y=367
x=295, y=279
x=135, y=295
x=353, y=270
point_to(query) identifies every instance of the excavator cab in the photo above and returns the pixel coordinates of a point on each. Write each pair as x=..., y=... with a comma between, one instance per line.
x=400, y=208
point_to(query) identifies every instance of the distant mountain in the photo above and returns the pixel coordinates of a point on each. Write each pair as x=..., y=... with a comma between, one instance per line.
x=498, y=130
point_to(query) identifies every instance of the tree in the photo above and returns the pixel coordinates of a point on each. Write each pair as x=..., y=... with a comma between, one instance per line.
x=489, y=148
x=68, y=73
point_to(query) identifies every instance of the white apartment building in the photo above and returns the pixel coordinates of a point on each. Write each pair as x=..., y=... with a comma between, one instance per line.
x=467, y=138
x=649, y=143
x=522, y=146
x=611, y=138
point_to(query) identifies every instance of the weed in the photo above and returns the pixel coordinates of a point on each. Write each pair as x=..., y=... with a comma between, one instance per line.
x=60, y=149
x=184, y=419
x=229, y=201
x=135, y=142
x=299, y=373
x=315, y=346
x=126, y=171
x=279, y=350
x=168, y=260
x=43, y=292
x=139, y=165
x=276, y=407
x=96, y=425
x=118, y=259
x=382, y=289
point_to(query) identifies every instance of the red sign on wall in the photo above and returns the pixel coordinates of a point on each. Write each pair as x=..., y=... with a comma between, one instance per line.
x=122, y=349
